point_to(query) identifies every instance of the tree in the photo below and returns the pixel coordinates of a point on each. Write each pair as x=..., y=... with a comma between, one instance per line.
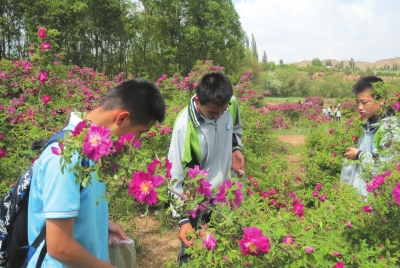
x=339, y=65
x=254, y=47
x=144, y=37
x=352, y=65
x=316, y=62
x=264, y=57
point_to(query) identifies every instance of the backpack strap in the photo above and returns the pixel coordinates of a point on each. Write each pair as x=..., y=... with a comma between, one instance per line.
x=34, y=246
x=42, y=255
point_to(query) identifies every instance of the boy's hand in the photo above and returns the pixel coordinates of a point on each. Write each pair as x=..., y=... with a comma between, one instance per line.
x=183, y=231
x=351, y=153
x=238, y=162
x=114, y=231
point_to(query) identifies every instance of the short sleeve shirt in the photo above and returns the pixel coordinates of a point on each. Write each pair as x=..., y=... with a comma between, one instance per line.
x=54, y=195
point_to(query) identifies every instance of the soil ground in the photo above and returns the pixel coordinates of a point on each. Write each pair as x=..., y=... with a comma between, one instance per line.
x=154, y=249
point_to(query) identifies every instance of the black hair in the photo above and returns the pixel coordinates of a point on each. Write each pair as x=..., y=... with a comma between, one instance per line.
x=215, y=88
x=140, y=97
x=365, y=83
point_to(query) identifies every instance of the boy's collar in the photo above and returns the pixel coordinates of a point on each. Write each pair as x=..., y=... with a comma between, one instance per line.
x=196, y=118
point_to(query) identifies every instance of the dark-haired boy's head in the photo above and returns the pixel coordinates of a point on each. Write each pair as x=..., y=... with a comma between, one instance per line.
x=215, y=88
x=365, y=83
x=367, y=104
x=141, y=98
x=213, y=95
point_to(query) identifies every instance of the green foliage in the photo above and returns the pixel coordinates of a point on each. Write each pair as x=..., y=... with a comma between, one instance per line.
x=146, y=38
x=316, y=62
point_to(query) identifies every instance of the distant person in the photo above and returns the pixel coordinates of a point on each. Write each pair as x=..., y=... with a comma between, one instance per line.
x=334, y=111
x=338, y=114
x=330, y=112
x=374, y=135
x=324, y=111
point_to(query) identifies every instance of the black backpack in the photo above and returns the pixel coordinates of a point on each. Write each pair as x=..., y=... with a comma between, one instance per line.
x=14, y=245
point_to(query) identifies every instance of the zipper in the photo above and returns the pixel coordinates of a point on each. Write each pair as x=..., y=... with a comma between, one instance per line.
x=216, y=147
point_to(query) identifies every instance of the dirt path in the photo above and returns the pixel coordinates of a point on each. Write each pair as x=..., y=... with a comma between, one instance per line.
x=154, y=248
x=294, y=160
x=295, y=140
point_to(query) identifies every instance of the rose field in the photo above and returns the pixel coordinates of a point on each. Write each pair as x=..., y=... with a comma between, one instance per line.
x=283, y=213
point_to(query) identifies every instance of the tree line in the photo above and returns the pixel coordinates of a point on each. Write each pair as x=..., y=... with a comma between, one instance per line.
x=143, y=37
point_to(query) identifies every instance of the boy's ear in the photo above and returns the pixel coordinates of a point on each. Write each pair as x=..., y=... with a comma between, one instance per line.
x=122, y=117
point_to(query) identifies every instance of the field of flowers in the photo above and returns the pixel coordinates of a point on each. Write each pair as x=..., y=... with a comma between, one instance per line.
x=270, y=218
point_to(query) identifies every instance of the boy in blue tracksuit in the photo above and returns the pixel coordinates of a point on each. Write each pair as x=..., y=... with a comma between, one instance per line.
x=378, y=133
x=206, y=133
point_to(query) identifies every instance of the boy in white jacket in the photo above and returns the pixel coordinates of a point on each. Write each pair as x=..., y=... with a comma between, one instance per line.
x=206, y=133
x=379, y=132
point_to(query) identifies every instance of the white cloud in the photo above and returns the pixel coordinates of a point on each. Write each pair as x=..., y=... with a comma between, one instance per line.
x=296, y=30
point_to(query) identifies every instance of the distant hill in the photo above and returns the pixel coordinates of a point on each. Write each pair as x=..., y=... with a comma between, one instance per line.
x=360, y=64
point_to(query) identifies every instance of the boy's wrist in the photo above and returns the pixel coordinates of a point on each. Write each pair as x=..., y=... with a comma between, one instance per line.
x=183, y=221
x=358, y=156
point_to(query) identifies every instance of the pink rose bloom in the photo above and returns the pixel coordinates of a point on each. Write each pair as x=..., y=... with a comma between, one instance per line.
x=253, y=242
x=315, y=194
x=205, y=188
x=298, y=209
x=128, y=138
x=46, y=99
x=142, y=187
x=1, y=136
x=223, y=191
x=3, y=153
x=193, y=212
x=378, y=180
x=331, y=131
x=209, y=241
x=168, y=166
x=367, y=209
x=349, y=224
x=309, y=250
x=42, y=77
x=194, y=172
x=97, y=142
x=318, y=186
x=27, y=65
x=57, y=151
x=339, y=265
x=152, y=167
x=323, y=197
x=42, y=32
x=396, y=193
x=31, y=49
x=288, y=240
x=79, y=128
x=336, y=253
x=45, y=46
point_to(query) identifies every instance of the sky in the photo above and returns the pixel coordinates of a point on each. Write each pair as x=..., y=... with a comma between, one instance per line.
x=297, y=30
